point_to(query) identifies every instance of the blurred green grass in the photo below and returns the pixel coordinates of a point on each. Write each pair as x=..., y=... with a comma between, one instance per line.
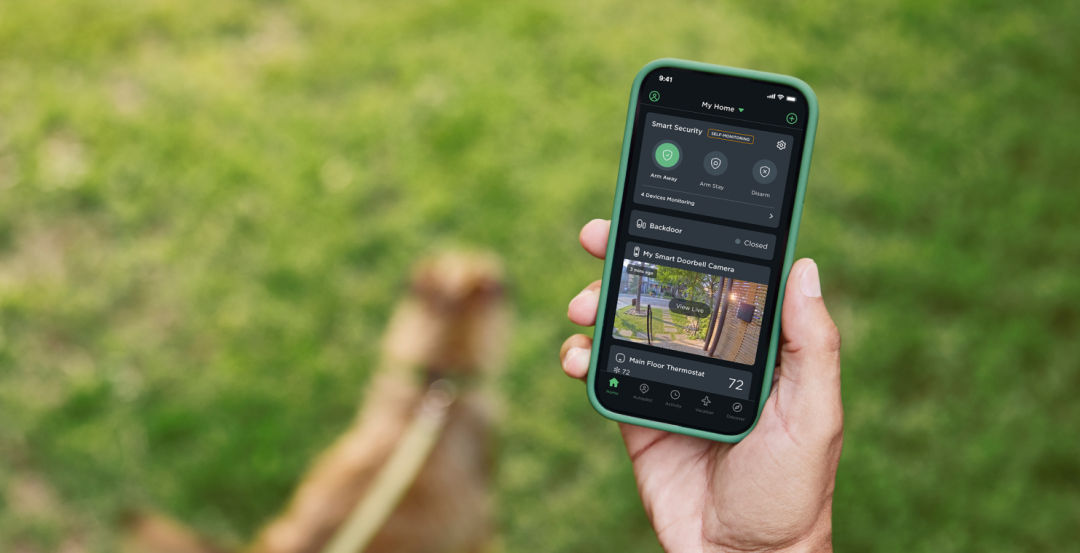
x=207, y=210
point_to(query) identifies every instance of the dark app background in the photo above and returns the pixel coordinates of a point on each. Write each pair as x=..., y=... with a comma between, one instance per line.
x=687, y=213
x=734, y=194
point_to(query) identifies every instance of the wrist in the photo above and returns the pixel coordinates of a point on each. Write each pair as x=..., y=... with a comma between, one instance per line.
x=817, y=541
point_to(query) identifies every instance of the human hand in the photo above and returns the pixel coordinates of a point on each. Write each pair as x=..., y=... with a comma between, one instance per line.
x=773, y=490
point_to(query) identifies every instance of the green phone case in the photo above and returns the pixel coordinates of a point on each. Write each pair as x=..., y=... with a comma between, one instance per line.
x=800, y=192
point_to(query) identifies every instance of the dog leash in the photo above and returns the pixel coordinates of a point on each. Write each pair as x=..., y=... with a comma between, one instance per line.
x=398, y=473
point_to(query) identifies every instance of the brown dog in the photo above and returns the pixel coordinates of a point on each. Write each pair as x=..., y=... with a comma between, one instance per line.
x=452, y=326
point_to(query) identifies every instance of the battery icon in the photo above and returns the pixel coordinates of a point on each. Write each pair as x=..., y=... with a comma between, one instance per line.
x=790, y=98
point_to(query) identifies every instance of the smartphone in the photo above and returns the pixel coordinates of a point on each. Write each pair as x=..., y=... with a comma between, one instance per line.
x=703, y=231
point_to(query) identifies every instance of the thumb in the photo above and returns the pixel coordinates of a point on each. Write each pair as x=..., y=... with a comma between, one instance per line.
x=808, y=387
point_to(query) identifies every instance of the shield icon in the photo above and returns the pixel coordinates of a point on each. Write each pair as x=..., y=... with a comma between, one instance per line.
x=764, y=170
x=667, y=155
x=715, y=163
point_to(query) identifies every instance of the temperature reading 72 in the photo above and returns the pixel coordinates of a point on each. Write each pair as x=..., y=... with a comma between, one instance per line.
x=736, y=384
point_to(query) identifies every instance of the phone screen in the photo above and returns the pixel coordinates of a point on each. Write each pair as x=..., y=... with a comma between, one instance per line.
x=705, y=215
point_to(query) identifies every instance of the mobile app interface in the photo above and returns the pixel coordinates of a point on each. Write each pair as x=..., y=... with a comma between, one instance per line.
x=707, y=207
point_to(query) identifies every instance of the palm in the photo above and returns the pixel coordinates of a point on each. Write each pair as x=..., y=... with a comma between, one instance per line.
x=673, y=475
x=703, y=495
x=771, y=491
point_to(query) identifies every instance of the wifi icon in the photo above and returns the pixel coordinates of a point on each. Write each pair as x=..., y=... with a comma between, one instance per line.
x=780, y=96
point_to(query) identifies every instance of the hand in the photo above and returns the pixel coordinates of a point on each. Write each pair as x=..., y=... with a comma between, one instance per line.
x=770, y=492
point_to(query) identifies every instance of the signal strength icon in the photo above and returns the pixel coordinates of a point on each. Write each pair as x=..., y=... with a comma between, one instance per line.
x=771, y=96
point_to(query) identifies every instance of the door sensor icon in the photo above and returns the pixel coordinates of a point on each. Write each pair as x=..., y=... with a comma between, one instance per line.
x=637, y=251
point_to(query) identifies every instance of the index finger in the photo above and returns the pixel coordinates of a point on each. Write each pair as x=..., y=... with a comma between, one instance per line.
x=594, y=237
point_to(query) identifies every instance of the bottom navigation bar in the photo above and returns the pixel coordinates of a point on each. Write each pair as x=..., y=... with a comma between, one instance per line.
x=661, y=402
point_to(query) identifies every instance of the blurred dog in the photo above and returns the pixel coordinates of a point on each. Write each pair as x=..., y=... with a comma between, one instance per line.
x=452, y=326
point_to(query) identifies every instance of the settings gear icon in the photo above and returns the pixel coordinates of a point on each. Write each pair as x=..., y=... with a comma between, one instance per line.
x=781, y=145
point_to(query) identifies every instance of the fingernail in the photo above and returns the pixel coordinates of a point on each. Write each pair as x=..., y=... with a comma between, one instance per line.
x=569, y=361
x=811, y=282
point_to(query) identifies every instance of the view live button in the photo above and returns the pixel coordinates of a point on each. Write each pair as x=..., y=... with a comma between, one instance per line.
x=702, y=235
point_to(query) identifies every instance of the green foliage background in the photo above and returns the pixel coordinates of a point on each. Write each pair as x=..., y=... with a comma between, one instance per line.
x=207, y=209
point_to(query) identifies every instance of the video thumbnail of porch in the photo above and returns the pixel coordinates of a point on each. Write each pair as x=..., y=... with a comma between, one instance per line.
x=683, y=310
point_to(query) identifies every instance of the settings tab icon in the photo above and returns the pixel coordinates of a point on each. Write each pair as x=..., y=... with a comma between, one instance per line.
x=781, y=145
